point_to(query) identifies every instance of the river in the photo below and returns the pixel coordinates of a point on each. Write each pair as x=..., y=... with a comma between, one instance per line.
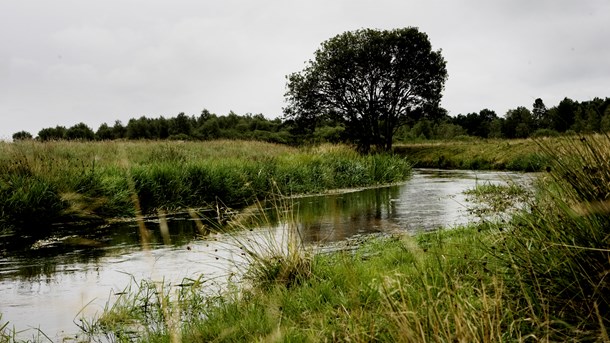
x=47, y=287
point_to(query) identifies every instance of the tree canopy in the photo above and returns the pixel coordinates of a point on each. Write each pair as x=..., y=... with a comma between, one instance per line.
x=371, y=82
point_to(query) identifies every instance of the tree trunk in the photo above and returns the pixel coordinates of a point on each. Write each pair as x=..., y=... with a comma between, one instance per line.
x=389, y=134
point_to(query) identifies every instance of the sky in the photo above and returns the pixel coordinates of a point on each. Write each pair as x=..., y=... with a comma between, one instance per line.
x=68, y=61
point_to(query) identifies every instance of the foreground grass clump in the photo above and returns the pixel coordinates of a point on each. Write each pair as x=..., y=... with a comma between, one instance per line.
x=559, y=252
x=41, y=183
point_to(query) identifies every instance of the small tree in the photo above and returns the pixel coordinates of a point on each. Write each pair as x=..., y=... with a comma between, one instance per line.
x=540, y=114
x=518, y=123
x=564, y=115
x=80, y=131
x=370, y=81
x=50, y=133
x=22, y=136
x=104, y=133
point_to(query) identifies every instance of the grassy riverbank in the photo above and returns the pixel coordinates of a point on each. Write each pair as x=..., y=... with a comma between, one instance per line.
x=43, y=183
x=543, y=276
x=477, y=154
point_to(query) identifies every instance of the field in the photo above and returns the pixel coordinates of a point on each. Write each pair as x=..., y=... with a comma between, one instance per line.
x=492, y=154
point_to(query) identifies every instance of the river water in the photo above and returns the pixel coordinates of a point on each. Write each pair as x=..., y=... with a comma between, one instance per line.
x=49, y=285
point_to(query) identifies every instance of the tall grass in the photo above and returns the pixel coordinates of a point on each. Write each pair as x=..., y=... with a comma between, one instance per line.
x=559, y=252
x=542, y=276
x=75, y=181
x=478, y=154
x=395, y=289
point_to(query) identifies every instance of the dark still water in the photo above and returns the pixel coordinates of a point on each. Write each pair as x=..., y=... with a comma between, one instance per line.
x=51, y=284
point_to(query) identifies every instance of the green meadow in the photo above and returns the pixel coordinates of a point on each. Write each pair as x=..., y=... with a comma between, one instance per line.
x=477, y=153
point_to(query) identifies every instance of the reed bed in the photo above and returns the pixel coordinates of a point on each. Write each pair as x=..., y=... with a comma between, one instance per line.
x=43, y=183
x=558, y=253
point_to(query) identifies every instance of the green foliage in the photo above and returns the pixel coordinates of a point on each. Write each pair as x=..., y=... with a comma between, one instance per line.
x=312, y=128
x=567, y=116
x=22, y=135
x=52, y=134
x=359, y=79
x=104, y=133
x=80, y=132
x=519, y=123
x=477, y=124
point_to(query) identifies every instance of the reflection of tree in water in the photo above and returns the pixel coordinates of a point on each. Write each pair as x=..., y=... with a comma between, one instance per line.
x=337, y=217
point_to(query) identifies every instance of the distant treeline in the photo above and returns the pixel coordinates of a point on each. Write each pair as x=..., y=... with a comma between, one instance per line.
x=569, y=116
x=206, y=126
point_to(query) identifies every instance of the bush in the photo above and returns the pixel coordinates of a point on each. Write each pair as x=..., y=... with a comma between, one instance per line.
x=22, y=135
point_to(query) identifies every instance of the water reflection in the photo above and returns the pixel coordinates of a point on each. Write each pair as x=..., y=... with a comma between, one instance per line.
x=337, y=217
x=47, y=283
x=82, y=246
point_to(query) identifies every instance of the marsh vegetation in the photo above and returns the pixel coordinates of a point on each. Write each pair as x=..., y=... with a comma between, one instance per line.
x=93, y=182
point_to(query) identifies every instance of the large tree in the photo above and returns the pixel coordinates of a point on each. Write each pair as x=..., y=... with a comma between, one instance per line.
x=371, y=81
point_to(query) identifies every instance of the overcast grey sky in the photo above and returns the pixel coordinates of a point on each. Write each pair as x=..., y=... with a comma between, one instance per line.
x=67, y=61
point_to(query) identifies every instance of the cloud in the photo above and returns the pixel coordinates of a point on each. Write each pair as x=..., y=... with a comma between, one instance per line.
x=67, y=61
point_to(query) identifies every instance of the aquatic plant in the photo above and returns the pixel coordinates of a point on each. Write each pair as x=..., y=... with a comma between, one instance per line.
x=492, y=199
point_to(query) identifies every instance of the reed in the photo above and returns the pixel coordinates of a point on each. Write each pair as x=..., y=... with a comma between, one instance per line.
x=93, y=181
x=559, y=252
